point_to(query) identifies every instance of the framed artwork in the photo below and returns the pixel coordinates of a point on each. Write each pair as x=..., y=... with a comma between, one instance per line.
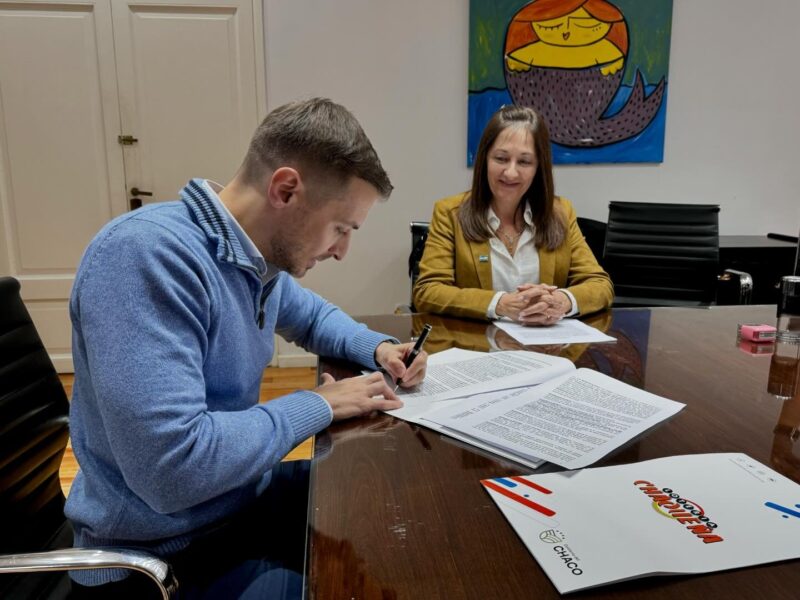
x=596, y=70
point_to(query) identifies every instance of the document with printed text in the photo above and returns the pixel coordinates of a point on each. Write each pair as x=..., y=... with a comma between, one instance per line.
x=572, y=421
x=540, y=367
x=539, y=408
x=417, y=413
x=458, y=373
x=566, y=331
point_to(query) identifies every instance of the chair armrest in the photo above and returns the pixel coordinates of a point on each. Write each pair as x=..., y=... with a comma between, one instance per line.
x=739, y=287
x=70, y=559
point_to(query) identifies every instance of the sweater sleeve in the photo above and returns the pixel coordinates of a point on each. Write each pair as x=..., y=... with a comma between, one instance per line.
x=312, y=322
x=142, y=308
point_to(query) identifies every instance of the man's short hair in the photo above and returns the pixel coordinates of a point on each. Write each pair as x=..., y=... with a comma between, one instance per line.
x=320, y=138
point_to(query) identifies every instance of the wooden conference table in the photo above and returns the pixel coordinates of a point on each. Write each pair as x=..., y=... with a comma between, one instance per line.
x=396, y=510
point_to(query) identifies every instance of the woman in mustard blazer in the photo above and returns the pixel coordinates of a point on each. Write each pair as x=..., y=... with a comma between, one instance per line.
x=509, y=247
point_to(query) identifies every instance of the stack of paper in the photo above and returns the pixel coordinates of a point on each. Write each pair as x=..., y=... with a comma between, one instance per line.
x=566, y=331
x=530, y=407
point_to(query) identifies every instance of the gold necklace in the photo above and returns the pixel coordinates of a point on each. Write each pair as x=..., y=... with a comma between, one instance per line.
x=509, y=241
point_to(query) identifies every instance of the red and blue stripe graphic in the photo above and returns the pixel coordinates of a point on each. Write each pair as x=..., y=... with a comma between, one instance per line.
x=507, y=486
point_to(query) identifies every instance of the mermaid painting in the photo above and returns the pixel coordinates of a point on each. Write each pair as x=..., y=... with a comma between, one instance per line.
x=566, y=59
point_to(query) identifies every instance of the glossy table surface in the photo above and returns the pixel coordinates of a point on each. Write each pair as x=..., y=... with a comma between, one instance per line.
x=396, y=510
x=753, y=241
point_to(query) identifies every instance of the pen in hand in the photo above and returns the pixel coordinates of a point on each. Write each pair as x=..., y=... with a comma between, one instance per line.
x=415, y=351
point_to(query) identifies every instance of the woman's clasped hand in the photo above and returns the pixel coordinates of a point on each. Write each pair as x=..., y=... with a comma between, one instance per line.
x=534, y=304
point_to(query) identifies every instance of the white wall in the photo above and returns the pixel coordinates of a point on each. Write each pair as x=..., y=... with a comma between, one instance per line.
x=401, y=67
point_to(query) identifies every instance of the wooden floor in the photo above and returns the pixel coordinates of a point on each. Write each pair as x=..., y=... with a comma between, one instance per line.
x=276, y=382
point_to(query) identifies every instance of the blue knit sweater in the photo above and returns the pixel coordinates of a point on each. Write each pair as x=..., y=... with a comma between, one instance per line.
x=169, y=356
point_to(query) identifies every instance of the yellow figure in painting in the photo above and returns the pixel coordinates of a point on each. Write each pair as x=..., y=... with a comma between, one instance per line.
x=567, y=34
x=574, y=41
x=566, y=59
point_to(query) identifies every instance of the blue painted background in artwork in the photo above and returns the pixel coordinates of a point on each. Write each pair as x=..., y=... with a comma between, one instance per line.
x=647, y=146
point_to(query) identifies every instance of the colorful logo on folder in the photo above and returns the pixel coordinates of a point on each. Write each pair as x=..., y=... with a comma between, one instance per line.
x=520, y=490
x=686, y=513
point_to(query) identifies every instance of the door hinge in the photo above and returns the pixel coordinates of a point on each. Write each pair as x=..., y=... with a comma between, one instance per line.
x=126, y=140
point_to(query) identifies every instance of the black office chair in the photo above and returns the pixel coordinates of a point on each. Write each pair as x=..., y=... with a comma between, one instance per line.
x=595, y=234
x=668, y=255
x=419, y=233
x=35, y=537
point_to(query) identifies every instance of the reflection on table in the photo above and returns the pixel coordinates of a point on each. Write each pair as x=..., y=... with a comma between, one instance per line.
x=396, y=510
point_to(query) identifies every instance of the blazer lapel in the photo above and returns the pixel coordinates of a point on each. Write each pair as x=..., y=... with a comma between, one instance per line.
x=483, y=266
x=547, y=266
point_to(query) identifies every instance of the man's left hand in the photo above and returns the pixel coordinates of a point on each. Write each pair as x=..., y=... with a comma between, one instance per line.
x=390, y=357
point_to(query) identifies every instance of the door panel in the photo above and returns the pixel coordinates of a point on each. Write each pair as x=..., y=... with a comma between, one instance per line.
x=61, y=173
x=184, y=78
x=188, y=90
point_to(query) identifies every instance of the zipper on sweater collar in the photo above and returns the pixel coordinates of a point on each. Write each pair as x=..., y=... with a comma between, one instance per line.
x=265, y=291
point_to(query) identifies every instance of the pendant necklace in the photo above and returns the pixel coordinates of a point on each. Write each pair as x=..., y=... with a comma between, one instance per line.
x=509, y=240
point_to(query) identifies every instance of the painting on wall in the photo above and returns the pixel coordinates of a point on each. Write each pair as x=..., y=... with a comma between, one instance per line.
x=595, y=69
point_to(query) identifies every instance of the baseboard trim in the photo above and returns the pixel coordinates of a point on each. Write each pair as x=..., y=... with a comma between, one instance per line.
x=63, y=363
x=297, y=360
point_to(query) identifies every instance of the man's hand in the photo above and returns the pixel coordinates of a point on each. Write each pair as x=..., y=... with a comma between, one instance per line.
x=391, y=356
x=356, y=396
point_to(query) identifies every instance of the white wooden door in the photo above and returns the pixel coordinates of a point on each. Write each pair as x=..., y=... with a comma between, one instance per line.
x=61, y=172
x=186, y=79
x=191, y=89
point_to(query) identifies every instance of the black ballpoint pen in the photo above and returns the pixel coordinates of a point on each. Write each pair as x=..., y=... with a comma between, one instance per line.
x=415, y=350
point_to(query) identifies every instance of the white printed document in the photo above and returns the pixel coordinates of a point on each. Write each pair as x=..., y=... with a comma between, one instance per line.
x=448, y=371
x=572, y=421
x=539, y=407
x=678, y=515
x=418, y=413
x=566, y=331
x=458, y=373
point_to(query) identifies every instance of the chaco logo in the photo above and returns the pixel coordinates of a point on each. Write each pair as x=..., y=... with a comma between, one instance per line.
x=569, y=560
x=552, y=536
x=556, y=536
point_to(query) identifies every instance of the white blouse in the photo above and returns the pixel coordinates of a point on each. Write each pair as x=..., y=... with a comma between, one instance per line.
x=510, y=271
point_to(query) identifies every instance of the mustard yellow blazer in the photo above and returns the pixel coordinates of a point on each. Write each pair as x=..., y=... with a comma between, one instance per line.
x=455, y=275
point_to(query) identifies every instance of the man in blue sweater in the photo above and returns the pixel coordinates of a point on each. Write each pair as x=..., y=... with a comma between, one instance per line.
x=174, y=310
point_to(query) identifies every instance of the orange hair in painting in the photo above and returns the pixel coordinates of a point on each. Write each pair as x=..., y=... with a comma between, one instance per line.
x=520, y=31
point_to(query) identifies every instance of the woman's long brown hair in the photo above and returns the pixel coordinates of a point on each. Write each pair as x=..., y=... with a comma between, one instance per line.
x=549, y=227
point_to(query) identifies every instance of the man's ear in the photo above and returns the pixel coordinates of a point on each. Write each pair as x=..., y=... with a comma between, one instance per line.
x=283, y=186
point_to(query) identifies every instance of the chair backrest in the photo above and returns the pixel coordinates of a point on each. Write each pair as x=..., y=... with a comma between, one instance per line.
x=595, y=234
x=419, y=233
x=33, y=435
x=664, y=254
